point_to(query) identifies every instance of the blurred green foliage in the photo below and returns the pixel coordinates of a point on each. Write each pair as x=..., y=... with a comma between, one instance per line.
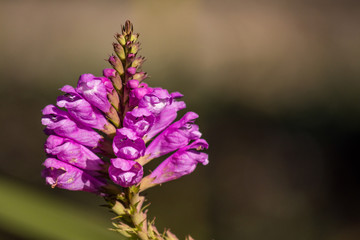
x=29, y=214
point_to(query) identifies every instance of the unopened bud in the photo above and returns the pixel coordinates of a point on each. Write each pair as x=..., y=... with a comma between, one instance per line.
x=119, y=50
x=134, y=48
x=127, y=28
x=132, y=83
x=109, y=72
x=121, y=39
x=131, y=70
x=117, y=64
x=113, y=116
x=134, y=37
x=140, y=76
x=116, y=80
x=113, y=98
x=131, y=57
x=109, y=130
x=118, y=208
x=138, y=62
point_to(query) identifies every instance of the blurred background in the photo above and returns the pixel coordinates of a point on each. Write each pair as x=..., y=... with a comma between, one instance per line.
x=276, y=85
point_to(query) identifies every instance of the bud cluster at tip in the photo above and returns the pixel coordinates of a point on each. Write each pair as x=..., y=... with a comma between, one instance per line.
x=103, y=131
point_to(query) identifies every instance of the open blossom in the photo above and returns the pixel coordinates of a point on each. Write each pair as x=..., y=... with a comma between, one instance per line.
x=127, y=145
x=156, y=101
x=181, y=163
x=163, y=106
x=125, y=172
x=177, y=135
x=105, y=129
x=95, y=90
x=63, y=175
x=80, y=109
x=138, y=91
x=60, y=123
x=73, y=153
x=139, y=120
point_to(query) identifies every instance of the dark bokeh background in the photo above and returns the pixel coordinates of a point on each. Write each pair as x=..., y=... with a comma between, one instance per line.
x=276, y=84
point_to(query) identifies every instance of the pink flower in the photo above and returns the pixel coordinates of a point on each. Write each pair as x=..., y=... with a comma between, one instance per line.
x=181, y=163
x=63, y=175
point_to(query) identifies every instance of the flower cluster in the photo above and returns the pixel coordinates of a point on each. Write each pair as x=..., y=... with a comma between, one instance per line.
x=107, y=128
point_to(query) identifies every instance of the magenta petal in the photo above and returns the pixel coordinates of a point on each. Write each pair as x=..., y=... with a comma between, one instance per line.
x=80, y=109
x=137, y=93
x=125, y=173
x=132, y=83
x=131, y=70
x=109, y=72
x=163, y=120
x=127, y=145
x=156, y=101
x=73, y=153
x=95, y=91
x=177, y=135
x=176, y=95
x=58, y=121
x=162, y=105
x=140, y=120
x=62, y=175
x=181, y=163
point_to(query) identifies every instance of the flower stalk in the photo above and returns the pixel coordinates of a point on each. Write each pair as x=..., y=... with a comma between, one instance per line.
x=131, y=220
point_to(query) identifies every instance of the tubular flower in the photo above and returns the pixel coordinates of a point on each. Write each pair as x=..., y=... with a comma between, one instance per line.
x=181, y=163
x=72, y=153
x=127, y=145
x=140, y=120
x=63, y=175
x=82, y=111
x=177, y=135
x=105, y=129
x=60, y=123
x=125, y=172
x=95, y=90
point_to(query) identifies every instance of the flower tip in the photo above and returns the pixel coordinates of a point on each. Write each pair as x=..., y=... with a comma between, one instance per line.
x=109, y=72
x=205, y=162
x=121, y=39
x=189, y=116
x=53, y=141
x=127, y=173
x=49, y=109
x=131, y=70
x=133, y=83
x=86, y=77
x=127, y=28
x=176, y=95
x=67, y=89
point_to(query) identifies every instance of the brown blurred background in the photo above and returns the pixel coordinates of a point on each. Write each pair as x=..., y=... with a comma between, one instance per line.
x=276, y=84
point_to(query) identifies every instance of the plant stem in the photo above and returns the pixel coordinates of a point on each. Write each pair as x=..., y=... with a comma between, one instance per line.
x=131, y=220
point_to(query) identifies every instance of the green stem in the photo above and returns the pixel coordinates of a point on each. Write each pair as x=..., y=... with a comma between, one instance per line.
x=131, y=217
